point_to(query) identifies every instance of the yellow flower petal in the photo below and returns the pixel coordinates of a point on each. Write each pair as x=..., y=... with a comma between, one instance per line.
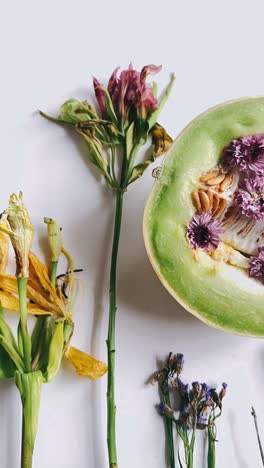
x=4, y=247
x=40, y=271
x=8, y=284
x=85, y=365
x=10, y=302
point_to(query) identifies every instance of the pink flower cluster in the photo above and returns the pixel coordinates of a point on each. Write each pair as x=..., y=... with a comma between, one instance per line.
x=129, y=92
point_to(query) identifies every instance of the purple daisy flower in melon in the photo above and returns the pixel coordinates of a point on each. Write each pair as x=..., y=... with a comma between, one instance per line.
x=203, y=232
x=246, y=153
x=250, y=198
x=256, y=268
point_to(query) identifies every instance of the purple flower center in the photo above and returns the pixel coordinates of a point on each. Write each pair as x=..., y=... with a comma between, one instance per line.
x=203, y=232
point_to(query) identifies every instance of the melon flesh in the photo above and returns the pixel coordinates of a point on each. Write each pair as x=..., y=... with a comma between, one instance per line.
x=219, y=293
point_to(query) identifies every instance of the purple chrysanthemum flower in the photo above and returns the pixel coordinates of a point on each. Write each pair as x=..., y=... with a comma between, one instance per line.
x=256, y=268
x=246, y=153
x=250, y=198
x=203, y=232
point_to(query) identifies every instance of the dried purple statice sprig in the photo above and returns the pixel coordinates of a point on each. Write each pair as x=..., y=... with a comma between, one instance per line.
x=199, y=408
x=250, y=198
x=256, y=267
x=246, y=153
x=203, y=232
x=172, y=367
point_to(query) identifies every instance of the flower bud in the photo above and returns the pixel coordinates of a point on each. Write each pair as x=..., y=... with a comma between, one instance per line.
x=180, y=363
x=223, y=391
x=165, y=410
x=21, y=233
x=73, y=112
x=196, y=389
x=54, y=238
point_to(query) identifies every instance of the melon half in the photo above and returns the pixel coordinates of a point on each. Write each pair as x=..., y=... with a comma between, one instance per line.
x=219, y=293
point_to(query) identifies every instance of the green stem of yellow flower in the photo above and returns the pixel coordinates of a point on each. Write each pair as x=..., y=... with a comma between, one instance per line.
x=53, y=273
x=22, y=295
x=29, y=386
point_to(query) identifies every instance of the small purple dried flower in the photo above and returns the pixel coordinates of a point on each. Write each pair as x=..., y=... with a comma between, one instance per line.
x=165, y=410
x=223, y=390
x=180, y=363
x=203, y=232
x=196, y=389
x=250, y=198
x=202, y=418
x=246, y=153
x=256, y=268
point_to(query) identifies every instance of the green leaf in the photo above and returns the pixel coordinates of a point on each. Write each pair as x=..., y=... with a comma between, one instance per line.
x=130, y=139
x=55, y=120
x=36, y=334
x=155, y=114
x=6, y=331
x=155, y=89
x=20, y=339
x=44, y=345
x=29, y=386
x=11, y=351
x=73, y=112
x=109, y=107
x=67, y=332
x=105, y=131
x=97, y=157
x=160, y=140
x=139, y=170
x=56, y=349
x=7, y=368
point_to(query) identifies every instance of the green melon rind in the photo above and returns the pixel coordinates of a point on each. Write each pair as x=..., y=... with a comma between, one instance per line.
x=220, y=295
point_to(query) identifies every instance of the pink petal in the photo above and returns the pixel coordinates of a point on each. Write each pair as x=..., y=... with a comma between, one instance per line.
x=100, y=96
x=148, y=99
x=113, y=82
x=149, y=70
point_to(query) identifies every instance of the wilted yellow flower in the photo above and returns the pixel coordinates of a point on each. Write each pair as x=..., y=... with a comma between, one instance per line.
x=43, y=299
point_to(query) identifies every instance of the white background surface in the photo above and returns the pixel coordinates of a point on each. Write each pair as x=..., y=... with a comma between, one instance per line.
x=49, y=50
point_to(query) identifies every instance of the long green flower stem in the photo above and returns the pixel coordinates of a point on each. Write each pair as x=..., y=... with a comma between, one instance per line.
x=111, y=406
x=211, y=448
